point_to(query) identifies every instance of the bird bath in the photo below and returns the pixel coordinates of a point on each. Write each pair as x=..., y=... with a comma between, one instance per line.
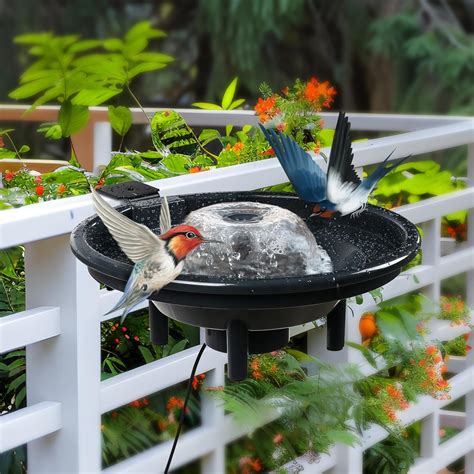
x=245, y=312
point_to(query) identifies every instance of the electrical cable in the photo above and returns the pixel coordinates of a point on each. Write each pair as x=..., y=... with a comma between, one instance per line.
x=183, y=412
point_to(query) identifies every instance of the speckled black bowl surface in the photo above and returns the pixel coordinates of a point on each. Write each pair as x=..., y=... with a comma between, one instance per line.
x=364, y=250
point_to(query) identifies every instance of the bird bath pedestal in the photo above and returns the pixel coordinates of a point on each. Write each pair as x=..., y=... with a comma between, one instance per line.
x=247, y=316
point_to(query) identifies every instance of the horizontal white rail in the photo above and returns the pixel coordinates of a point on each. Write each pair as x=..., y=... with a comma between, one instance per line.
x=27, y=424
x=452, y=419
x=155, y=376
x=460, y=385
x=446, y=453
x=219, y=118
x=427, y=209
x=48, y=219
x=15, y=329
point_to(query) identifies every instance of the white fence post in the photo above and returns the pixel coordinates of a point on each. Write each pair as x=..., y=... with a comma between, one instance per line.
x=469, y=459
x=66, y=368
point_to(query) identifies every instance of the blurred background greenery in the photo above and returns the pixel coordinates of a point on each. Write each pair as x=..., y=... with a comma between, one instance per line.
x=413, y=56
x=407, y=56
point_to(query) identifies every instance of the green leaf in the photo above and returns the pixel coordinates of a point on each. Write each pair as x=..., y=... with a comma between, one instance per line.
x=5, y=153
x=32, y=88
x=120, y=118
x=144, y=67
x=84, y=45
x=344, y=437
x=150, y=57
x=146, y=354
x=236, y=104
x=207, y=106
x=93, y=97
x=229, y=93
x=73, y=161
x=113, y=44
x=365, y=352
x=208, y=135
x=72, y=118
x=32, y=38
x=178, y=347
x=326, y=137
x=396, y=327
x=51, y=130
x=177, y=163
x=359, y=299
x=24, y=149
x=143, y=29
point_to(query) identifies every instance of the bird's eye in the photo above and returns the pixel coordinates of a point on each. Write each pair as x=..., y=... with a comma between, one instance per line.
x=323, y=209
x=144, y=287
x=190, y=235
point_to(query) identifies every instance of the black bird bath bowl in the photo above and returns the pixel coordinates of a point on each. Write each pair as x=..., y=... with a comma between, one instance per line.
x=248, y=316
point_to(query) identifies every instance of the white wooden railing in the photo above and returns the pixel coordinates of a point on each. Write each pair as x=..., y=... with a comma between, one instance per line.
x=61, y=327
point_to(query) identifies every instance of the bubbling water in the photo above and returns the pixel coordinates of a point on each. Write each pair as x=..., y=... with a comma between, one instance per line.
x=259, y=241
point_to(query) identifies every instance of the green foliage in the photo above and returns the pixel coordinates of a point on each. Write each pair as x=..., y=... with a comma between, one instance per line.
x=81, y=73
x=228, y=102
x=440, y=55
x=120, y=119
x=280, y=387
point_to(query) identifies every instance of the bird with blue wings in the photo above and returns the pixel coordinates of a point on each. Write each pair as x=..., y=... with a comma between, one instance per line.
x=339, y=192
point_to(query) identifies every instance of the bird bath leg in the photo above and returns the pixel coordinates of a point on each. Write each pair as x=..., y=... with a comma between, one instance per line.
x=237, y=350
x=158, y=325
x=336, y=326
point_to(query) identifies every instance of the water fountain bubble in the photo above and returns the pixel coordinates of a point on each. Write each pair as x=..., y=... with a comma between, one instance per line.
x=260, y=241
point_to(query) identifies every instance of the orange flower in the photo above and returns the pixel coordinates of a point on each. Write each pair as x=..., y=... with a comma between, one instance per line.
x=9, y=176
x=254, y=365
x=39, y=190
x=317, y=148
x=393, y=392
x=195, y=169
x=257, y=375
x=319, y=93
x=135, y=404
x=431, y=350
x=266, y=109
x=61, y=189
x=238, y=147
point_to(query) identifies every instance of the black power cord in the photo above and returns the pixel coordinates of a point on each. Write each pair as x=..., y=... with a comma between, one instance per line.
x=183, y=412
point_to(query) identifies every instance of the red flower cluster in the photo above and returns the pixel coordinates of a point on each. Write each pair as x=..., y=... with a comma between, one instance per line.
x=198, y=379
x=175, y=403
x=458, y=232
x=8, y=176
x=140, y=403
x=249, y=465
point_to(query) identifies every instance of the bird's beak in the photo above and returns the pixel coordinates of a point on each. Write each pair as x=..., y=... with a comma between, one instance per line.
x=212, y=241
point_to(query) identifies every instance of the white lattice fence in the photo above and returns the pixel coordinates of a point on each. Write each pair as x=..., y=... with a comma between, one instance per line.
x=61, y=328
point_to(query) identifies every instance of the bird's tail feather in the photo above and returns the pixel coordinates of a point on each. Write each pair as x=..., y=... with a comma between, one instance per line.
x=127, y=302
x=383, y=170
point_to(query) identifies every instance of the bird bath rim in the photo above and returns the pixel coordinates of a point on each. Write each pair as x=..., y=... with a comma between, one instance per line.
x=120, y=270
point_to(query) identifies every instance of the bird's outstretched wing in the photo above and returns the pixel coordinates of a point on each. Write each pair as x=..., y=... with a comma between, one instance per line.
x=165, y=216
x=137, y=241
x=342, y=178
x=308, y=179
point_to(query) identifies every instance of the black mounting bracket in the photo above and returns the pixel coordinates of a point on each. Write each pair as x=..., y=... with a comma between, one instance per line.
x=129, y=191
